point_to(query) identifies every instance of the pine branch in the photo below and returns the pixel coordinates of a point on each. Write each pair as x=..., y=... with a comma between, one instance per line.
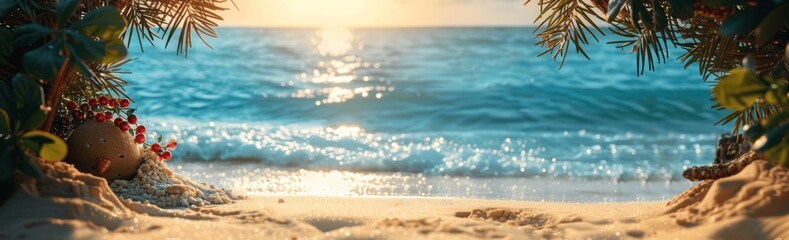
x=144, y=17
x=186, y=17
x=566, y=25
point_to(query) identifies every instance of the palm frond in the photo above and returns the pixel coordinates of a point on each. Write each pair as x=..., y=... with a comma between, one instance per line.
x=187, y=17
x=566, y=25
x=144, y=18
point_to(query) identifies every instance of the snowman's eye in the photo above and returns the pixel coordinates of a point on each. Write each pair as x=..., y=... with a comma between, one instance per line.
x=120, y=155
x=88, y=145
x=104, y=140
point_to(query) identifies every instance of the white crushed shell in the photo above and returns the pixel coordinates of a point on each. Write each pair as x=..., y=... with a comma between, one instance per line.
x=158, y=185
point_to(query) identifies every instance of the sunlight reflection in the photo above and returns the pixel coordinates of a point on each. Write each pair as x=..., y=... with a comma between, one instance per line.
x=334, y=41
x=337, y=72
x=326, y=183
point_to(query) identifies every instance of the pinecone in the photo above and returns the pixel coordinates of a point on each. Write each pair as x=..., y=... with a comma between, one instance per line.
x=718, y=13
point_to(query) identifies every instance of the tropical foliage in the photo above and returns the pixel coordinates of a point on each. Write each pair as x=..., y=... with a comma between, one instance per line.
x=51, y=51
x=741, y=44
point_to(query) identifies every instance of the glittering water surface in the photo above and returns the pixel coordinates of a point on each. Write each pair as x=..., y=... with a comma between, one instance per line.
x=444, y=111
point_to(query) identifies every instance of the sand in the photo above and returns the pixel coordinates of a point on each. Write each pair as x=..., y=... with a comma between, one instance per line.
x=753, y=204
x=156, y=184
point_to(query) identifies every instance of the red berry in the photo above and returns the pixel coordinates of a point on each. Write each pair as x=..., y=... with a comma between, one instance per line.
x=84, y=107
x=77, y=114
x=118, y=121
x=132, y=118
x=124, y=126
x=112, y=103
x=171, y=144
x=93, y=102
x=166, y=155
x=103, y=101
x=71, y=105
x=100, y=117
x=124, y=103
x=139, y=138
x=90, y=114
x=108, y=115
x=140, y=129
x=156, y=147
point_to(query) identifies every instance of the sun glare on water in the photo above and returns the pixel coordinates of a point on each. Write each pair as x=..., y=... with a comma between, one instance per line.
x=334, y=42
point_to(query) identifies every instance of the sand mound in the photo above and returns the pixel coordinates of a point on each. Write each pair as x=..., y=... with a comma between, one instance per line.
x=754, y=201
x=65, y=201
x=158, y=185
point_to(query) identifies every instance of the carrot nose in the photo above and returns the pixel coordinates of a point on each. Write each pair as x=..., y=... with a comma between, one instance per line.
x=102, y=164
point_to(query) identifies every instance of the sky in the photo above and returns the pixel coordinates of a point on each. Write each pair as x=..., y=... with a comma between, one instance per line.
x=378, y=13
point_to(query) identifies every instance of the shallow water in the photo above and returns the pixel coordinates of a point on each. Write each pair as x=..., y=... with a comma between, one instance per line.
x=431, y=102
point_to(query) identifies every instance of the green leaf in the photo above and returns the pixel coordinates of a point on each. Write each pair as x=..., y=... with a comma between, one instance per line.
x=775, y=120
x=772, y=23
x=754, y=132
x=7, y=98
x=45, y=61
x=29, y=97
x=5, y=123
x=27, y=34
x=744, y=21
x=26, y=92
x=779, y=154
x=114, y=50
x=52, y=147
x=80, y=65
x=8, y=161
x=86, y=48
x=66, y=9
x=105, y=23
x=6, y=6
x=35, y=119
x=739, y=90
x=6, y=38
x=614, y=6
x=773, y=137
x=777, y=93
x=28, y=166
x=681, y=9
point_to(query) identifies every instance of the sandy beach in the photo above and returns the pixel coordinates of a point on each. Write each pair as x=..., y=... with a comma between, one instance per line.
x=72, y=205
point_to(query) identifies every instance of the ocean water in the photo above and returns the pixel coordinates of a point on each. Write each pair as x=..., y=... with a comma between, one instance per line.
x=459, y=112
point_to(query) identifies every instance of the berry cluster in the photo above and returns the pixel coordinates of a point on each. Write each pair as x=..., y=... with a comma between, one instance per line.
x=164, y=152
x=106, y=108
x=101, y=109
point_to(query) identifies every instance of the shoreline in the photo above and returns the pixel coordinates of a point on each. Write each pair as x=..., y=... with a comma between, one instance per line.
x=247, y=180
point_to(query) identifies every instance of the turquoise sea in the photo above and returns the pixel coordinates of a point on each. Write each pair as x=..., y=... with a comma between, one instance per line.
x=450, y=112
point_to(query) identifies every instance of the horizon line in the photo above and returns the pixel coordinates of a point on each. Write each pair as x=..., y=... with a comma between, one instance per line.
x=386, y=26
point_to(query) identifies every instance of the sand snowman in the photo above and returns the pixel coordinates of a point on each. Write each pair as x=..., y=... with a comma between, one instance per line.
x=102, y=149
